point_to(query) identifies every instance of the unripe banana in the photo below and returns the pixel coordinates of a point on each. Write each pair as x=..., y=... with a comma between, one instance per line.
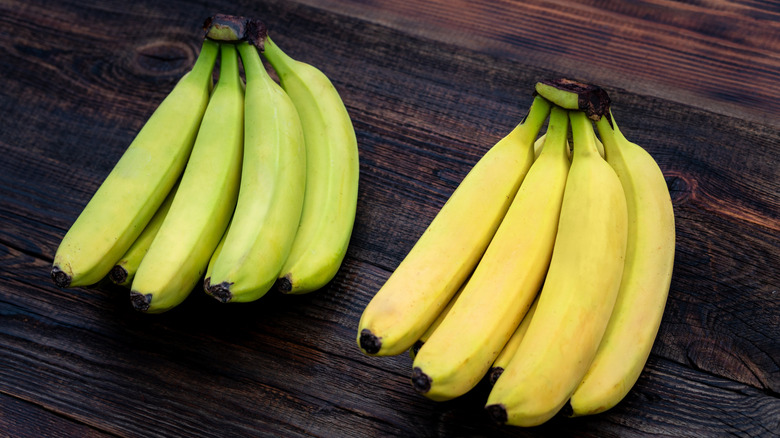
x=511, y=346
x=578, y=295
x=505, y=282
x=203, y=203
x=332, y=174
x=273, y=179
x=124, y=271
x=449, y=249
x=644, y=288
x=139, y=182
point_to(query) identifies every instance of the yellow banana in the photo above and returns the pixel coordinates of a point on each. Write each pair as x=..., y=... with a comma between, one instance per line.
x=436, y=323
x=505, y=282
x=139, y=182
x=503, y=358
x=578, y=295
x=449, y=249
x=270, y=199
x=644, y=288
x=203, y=203
x=124, y=270
x=332, y=174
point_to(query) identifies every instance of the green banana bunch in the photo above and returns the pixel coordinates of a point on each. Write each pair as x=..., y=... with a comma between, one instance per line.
x=578, y=295
x=204, y=201
x=124, y=271
x=505, y=282
x=332, y=174
x=270, y=200
x=137, y=185
x=647, y=275
x=449, y=249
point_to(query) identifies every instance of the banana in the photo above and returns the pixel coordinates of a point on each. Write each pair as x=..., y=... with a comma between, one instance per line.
x=124, y=270
x=640, y=304
x=503, y=358
x=435, y=324
x=139, y=182
x=204, y=202
x=332, y=174
x=449, y=249
x=270, y=199
x=505, y=282
x=578, y=295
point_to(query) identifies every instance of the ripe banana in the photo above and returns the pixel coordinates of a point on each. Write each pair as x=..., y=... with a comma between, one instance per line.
x=578, y=295
x=503, y=358
x=506, y=280
x=449, y=249
x=332, y=173
x=139, y=182
x=204, y=202
x=270, y=199
x=124, y=270
x=636, y=317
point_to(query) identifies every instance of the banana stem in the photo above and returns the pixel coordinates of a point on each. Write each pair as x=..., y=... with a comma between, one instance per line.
x=529, y=128
x=228, y=69
x=278, y=59
x=582, y=133
x=557, y=131
x=203, y=67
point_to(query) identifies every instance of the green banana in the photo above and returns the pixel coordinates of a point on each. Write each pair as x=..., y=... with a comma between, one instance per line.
x=204, y=202
x=332, y=175
x=139, y=182
x=578, y=295
x=507, y=279
x=273, y=179
x=635, y=320
x=124, y=271
x=449, y=249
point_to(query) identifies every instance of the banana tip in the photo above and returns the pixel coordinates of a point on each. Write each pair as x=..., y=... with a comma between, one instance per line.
x=140, y=301
x=60, y=277
x=497, y=413
x=369, y=342
x=220, y=291
x=495, y=373
x=420, y=381
x=118, y=274
x=284, y=285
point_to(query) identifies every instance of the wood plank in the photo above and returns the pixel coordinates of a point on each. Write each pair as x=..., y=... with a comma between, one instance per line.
x=285, y=366
x=19, y=418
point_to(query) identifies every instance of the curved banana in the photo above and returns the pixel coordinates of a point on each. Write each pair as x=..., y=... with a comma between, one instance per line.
x=137, y=185
x=449, y=249
x=578, y=295
x=503, y=358
x=124, y=270
x=332, y=174
x=640, y=304
x=203, y=203
x=270, y=198
x=505, y=282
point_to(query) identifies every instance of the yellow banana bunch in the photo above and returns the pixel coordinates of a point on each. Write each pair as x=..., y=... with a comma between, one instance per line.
x=204, y=201
x=578, y=295
x=436, y=322
x=270, y=198
x=124, y=271
x=449, y=249
x=505, y=282
x=137, y=185
x=332, y=174
x=647, y=275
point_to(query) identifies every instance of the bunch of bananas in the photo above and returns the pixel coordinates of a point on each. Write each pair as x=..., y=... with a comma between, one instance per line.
x=249, y=181
x=547, y=270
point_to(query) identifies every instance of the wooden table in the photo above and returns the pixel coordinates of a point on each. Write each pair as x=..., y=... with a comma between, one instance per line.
x=430, y=86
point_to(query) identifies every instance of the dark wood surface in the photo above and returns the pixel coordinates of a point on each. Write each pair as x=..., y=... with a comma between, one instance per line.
x=430, y=86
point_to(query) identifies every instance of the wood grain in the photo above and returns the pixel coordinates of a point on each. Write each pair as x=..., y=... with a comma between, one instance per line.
x=81, y=78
